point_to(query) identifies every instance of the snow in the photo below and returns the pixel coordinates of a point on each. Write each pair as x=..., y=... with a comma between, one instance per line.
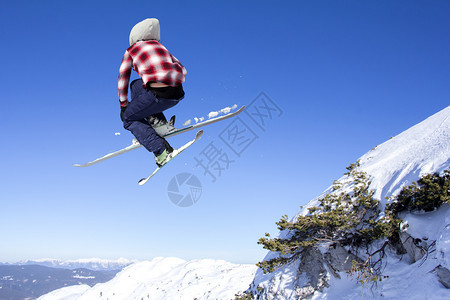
x=168, y=278
x=225, y=111
x=212, y=114
x=66, y=293
x=427, y=224
x=420, y=150
x=83, y=277
x=412, y=282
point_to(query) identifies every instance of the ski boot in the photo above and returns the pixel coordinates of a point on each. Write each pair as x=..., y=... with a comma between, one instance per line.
x=165, y=156
x=160, y=124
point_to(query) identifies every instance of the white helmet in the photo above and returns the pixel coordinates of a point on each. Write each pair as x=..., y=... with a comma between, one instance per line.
x=145, y=30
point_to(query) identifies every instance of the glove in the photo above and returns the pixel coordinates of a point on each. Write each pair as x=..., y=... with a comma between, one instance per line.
x=122, y=110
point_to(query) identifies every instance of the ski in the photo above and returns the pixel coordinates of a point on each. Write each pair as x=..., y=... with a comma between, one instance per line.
x=134, y=145
x=175, y=153
x=165, y=134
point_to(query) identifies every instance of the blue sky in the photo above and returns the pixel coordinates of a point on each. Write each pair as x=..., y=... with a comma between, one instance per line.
x=345, y=75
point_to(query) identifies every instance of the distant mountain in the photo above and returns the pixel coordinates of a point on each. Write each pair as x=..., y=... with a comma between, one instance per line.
x=167, y=278
x=32, y=281
x=95, y=264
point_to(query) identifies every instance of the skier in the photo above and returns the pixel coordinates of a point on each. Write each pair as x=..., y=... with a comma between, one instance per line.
x=159, y=87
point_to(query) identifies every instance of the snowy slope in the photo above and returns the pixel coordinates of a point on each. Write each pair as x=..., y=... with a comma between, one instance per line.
x=422, y=149
x=167, y=278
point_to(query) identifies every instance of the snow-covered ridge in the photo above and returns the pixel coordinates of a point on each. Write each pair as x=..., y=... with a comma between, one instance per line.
x=97, y=264
x=167, y=278
x=422, y=149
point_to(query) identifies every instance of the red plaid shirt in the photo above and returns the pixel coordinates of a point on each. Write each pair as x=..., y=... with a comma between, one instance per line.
x=153, y=62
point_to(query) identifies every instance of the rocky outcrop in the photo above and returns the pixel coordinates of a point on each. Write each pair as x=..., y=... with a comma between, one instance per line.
x=413, y=247
x=312, y=265
x=444, y=276
x=338, y=259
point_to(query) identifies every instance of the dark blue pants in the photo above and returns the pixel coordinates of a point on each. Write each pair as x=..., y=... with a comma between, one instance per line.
x=143, y=104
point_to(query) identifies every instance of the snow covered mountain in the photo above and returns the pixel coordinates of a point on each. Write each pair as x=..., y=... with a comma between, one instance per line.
x=420, y=150
x=167, y=278
x=96, y=264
